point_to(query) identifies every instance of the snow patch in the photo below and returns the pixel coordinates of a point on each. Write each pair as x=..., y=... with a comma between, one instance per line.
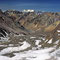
x=37, y=42
x=12, y=49
x=58, y=30
x=32, y=37
x=42, y=54
x=56, y=42
x=50, y=41
x=4, y=39
x=4, y=58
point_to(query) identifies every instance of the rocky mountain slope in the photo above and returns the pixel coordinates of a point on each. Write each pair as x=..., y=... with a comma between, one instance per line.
x=29, y=36
x=9, y=25
x=17, y=22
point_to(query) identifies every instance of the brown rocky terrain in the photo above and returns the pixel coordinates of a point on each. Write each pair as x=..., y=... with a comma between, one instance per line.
x=18, y=22
x=8, y=24
x=22, y=32
x=34, y=23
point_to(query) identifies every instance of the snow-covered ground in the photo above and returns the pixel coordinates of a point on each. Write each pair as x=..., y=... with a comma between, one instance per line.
x=20, y=52
x=12, y=49
x=42, y=54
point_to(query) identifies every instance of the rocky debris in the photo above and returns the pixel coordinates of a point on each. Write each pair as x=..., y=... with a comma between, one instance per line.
x=9, y=25
x=34, y=21
x=39, y=31
x=28, y=23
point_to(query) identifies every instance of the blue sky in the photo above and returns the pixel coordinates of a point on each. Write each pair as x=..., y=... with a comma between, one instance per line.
x=44, y=5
